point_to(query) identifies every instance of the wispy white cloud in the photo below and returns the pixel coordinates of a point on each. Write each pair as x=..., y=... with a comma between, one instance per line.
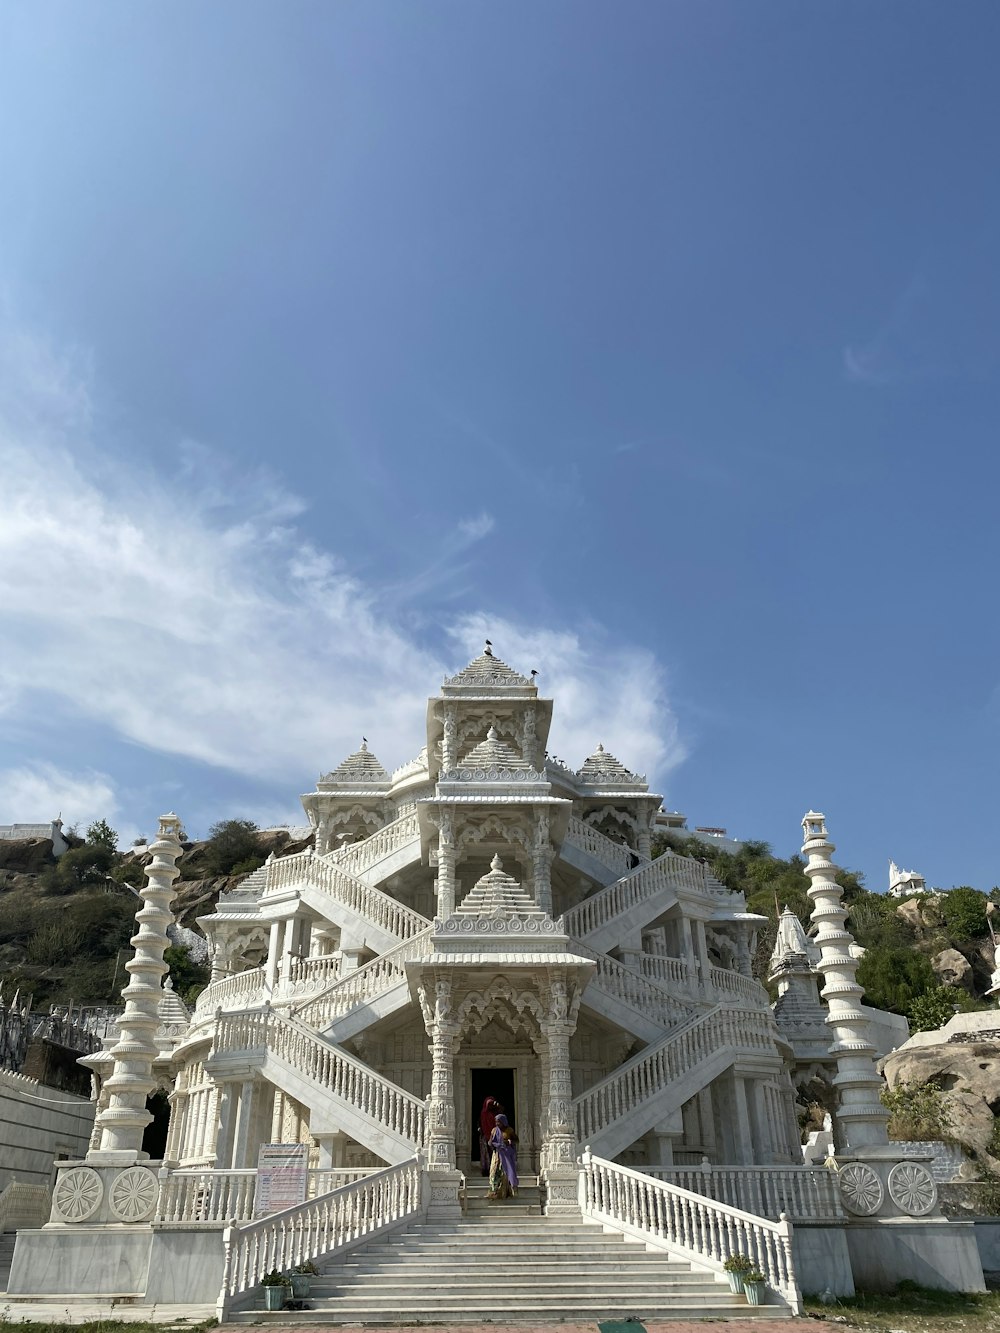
x=196, y=620
x=36, y=792
x=607, y=692
x=475, y=529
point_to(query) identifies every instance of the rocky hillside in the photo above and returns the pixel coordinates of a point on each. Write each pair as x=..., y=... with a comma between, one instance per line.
x=65, y=924
x=924, y=957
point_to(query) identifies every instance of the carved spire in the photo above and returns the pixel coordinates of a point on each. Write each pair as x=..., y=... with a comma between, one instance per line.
x=861, y=1117
x=125, y=1117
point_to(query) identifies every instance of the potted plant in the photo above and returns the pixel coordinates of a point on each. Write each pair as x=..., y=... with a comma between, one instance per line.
x=300, y=1276
x=275, y=1286
x=753, y=1285
x=736, y=1265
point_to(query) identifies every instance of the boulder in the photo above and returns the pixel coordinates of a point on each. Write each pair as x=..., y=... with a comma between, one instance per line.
x=969, y=1072
x=952, y=969
x=910, y=913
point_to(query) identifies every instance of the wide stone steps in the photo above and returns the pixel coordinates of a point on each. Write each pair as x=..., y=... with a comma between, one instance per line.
x=503, y=1262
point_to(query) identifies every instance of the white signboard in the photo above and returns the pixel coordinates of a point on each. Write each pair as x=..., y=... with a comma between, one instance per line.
x=282, y=1178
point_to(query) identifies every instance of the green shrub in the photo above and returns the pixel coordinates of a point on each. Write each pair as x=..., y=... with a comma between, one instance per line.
x=918, y=1111
x=964, y=913
x=230, y=842
x=893, y=977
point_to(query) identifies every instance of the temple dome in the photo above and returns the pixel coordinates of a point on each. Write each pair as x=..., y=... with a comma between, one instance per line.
x=602, y=769
x=359, y=767
x=493, y=753
x=498, y=894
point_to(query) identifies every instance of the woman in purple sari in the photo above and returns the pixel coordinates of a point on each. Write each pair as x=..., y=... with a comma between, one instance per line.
x=503, y=1166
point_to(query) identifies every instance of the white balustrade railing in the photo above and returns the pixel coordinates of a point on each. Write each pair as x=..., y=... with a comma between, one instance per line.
x=307, y=976
x=635, y=887
x=615, y=855
x=321, y=873
x=673, y=972
x=206, y=1196
x=637, y=991
x=24, y=1205
x=802, y=1193
x=240, y=991
x=230, y=1195
x=332, y=1222
x=743, y=988
x=364, y=985
x=357, y=857
x=647, y=1074
x=333, y=1069
x=702, y=1229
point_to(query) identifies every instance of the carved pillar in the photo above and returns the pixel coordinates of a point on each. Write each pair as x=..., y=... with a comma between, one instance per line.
x=446, y=865
x=643, y=844
x=541, y=863
x=529, y=740
x=273, y=953
x=559, y=1148
x=130, y=1083
x=442, y=1031
x=449, y=756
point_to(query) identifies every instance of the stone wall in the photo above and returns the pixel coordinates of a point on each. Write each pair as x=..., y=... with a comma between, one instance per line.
x=37, y=1125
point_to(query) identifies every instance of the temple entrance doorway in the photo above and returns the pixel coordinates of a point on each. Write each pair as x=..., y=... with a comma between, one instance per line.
x=498, y=1083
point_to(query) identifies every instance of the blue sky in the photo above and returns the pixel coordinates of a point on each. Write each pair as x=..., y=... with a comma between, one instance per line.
x=660, y=341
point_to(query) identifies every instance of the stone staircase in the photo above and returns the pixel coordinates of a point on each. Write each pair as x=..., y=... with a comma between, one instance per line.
x=504, y=1262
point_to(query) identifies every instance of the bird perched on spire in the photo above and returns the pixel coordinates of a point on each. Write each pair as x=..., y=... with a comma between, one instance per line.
x=489, y=648
x=534, y=673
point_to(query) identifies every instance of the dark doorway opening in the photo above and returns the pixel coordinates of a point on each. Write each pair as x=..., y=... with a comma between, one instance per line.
x=498, y=1083
x=154, y=1136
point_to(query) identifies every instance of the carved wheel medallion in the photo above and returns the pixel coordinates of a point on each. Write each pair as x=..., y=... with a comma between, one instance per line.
x=912, y=1188
x=78, y=1194
x=133, y=1194
x=861, y=1189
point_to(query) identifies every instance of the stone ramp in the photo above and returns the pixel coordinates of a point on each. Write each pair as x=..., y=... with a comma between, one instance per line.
x=505, y=1263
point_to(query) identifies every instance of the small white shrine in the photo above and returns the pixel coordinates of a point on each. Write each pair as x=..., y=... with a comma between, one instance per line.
x=485, y=921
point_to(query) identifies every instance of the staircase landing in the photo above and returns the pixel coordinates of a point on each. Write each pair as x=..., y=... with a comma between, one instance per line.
x=504, y=1263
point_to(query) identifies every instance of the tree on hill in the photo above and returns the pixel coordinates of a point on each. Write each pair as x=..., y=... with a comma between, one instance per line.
x=101, y=834
x=964, y=913
x=232, y=847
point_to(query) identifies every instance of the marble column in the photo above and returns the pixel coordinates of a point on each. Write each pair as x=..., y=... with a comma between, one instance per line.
x=541, y=863
x=559, y=1147
x=446, y=865
x=125, y=1118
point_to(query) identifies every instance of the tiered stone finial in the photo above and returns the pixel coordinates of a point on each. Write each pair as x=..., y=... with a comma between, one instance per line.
x=124, y=1119
x=602, y=769
x=861, y=1117
x=359, y=767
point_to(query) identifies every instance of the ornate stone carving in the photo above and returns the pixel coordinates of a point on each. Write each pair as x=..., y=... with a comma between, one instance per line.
x=78, y=1194
x=912, y=1188
x=861, y=1189
x=132, y=1197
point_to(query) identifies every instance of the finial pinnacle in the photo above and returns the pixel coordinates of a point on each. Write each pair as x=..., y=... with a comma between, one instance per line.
x=491, y=735
x=488, y=650
x=496, y=863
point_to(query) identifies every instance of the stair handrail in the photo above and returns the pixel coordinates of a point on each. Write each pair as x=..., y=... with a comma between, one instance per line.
x=681, y=872
x=357, y=857
x=246, y=987
x=363, y=985
x=371, y=903
x=803, y=1193
x=338, y=1220
x=646, y=1074
x=638, y=990
x=615, y=855
x=348, y=1078
x=700, y=1228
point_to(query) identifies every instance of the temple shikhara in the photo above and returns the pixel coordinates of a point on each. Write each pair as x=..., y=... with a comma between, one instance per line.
x=488, y=922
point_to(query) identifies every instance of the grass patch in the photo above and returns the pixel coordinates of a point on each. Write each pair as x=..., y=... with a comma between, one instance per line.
x=912, y=1308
